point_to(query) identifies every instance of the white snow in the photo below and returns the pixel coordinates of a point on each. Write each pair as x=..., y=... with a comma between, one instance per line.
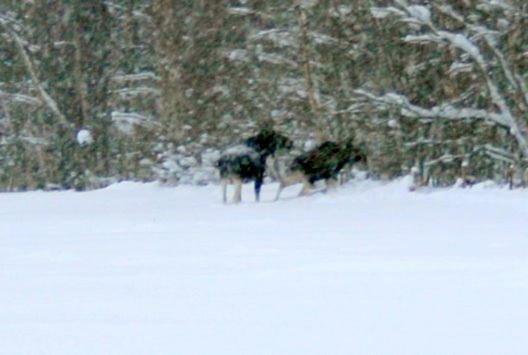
x=392, y=123
x=84, y=137
x=238, y=55
x=383, y=12
x=279, y=37
x=445, y=111
x=126, y=121
x=20, y=98
x=239, y=149
x=127, y=78
x=242, y=11
x=462, y=42
x=129, y=93
x=308, y=3
x=367, y=269
x=421, y=13
x=321, y=38
x=460, y=67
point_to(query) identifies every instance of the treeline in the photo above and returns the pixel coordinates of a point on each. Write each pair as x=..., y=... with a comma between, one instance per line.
x=93, y=92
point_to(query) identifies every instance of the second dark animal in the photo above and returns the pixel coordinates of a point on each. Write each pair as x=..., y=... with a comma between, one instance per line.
x=321, y=163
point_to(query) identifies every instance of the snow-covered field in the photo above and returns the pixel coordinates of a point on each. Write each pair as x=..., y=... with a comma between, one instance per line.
x=368, y=269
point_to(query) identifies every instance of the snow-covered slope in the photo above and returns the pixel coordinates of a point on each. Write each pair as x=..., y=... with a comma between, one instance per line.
x=368, y=269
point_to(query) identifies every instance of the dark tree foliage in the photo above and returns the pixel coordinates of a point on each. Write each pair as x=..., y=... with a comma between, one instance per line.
x=98, y=91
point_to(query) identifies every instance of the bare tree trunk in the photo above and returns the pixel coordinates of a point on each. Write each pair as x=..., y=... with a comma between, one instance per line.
x=304, y=47
x=169, y=47
x=307, y=67
x=80, y=83
x=44, y=96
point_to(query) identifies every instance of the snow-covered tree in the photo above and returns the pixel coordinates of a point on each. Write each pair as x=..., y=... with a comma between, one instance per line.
x=92, y=92
x=478, y=51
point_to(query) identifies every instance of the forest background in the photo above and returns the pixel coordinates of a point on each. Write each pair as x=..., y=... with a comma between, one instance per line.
x=93, y=92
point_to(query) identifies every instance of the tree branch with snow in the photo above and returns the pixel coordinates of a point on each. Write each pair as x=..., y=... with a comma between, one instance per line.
x=43, y=94
x=473, y=40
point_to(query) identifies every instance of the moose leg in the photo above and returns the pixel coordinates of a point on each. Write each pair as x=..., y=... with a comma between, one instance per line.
x=331, y=184
x=258, y=185
x=288, y=180
x=307, y=187
x=238, y=191
x=224, y=190
x=282, y=182
x=281, y=187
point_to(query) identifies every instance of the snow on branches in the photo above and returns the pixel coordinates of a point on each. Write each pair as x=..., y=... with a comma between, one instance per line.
x=479, y=46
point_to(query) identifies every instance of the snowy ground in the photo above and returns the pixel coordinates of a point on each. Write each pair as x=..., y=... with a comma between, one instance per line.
x=369, y=269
